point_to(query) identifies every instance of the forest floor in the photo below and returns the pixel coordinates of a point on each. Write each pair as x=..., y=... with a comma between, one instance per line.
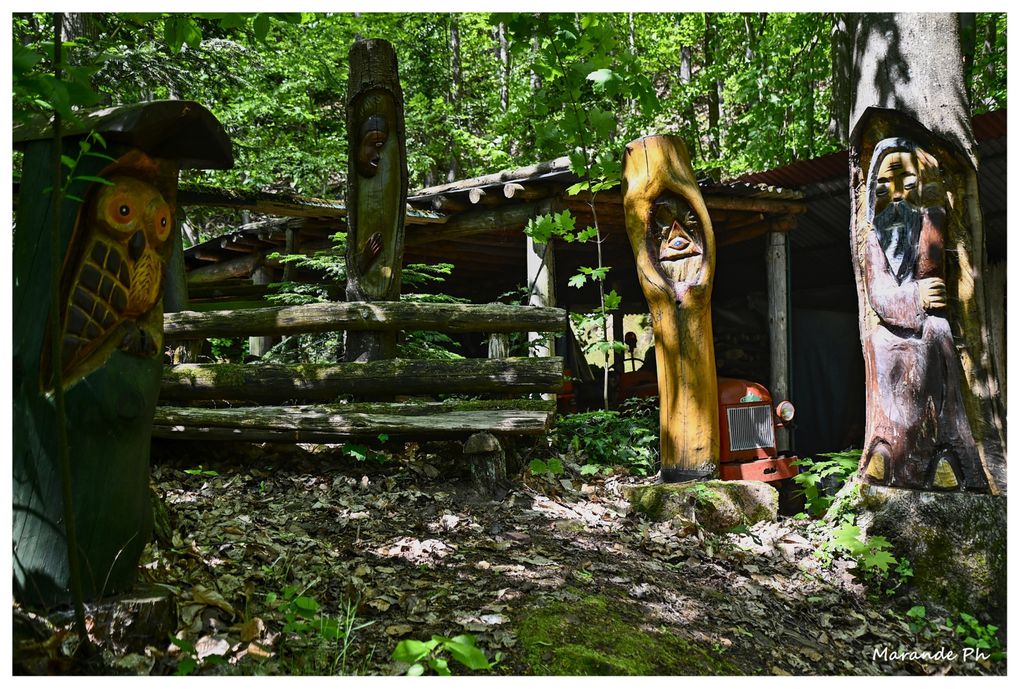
x=302, y=560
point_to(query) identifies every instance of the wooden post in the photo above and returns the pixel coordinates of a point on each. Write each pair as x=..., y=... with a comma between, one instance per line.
x=499, y=346
x=258, y=345
x=674, y=246
x=175, y=296
x=541, y=279
x=376, y=188
x=113, y=247
x=289, y=268
x=618, y=355
x=777, y=268
x=486, y=462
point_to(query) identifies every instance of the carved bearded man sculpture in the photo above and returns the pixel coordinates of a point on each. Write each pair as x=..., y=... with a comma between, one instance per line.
x=918, y=435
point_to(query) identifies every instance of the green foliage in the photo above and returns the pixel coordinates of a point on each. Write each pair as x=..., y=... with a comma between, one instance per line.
x=432, y=655
x=917, y=616
x=603, y=439
x=875, y=562
x=813, y=474
x=303, y=619
x=201, y=471
x=968, y=630
x=974, y=634
x=189, y=661
x=553, y=467
x=228, y=348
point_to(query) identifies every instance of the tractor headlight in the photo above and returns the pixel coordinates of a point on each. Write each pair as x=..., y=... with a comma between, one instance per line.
x=785, y=411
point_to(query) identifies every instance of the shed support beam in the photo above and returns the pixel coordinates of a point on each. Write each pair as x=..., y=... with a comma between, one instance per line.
x=541, y=266
x=777, y=269
x=258, y=345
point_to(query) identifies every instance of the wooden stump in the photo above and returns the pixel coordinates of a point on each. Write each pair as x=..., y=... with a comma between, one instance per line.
x=487, y=463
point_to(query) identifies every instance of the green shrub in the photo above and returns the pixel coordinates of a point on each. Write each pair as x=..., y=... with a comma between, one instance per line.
x=628, y=438
x=816, y=475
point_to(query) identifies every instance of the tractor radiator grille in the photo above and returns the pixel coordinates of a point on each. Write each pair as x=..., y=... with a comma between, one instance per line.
x=751, y=427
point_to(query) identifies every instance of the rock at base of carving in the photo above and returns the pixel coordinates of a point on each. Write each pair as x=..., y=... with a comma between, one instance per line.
x=715, y=506
x=955, y=542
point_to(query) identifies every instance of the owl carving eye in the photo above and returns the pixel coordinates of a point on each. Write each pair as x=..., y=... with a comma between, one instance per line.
x=125, y=211
x=161, y=220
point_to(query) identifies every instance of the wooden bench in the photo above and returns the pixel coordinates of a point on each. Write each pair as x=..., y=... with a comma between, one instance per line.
x=299, y=403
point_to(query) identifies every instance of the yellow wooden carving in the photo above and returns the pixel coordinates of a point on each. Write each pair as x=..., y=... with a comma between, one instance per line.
x=674, y=246
x=945, y=477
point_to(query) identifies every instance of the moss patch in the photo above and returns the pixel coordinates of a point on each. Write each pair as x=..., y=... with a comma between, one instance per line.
x=592, y=637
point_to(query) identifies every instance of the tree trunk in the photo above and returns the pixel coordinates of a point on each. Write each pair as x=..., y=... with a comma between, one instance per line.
x=671, y=235
x=842, y=76
x=377, y=188
x=685, y=80
x=934, y=414
x=968, y=46
x=453, y=171
x=714, y=105
x=504, y=66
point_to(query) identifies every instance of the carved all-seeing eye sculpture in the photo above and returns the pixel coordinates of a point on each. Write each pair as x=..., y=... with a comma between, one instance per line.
x=674, y=249
x=679, y=232
x=113, y=272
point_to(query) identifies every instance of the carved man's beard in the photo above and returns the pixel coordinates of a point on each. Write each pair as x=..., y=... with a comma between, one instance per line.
x=898, y=228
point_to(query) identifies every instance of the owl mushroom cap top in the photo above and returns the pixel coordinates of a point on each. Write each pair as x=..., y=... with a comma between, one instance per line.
x=179, y=130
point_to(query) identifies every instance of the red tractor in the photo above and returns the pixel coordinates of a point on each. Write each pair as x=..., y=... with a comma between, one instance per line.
x=747, y=417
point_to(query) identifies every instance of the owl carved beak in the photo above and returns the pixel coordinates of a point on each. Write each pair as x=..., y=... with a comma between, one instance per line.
x=136, y=246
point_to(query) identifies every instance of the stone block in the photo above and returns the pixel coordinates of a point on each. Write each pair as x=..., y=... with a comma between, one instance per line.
x=716, y=506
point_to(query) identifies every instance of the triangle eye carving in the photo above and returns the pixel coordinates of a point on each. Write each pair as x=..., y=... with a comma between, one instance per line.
x=678, y=230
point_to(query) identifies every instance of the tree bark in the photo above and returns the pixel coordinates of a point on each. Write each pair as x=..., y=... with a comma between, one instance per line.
x=968, y=46
x=842, y=76
x=325, y=382
x=685, y=81
x=910, y=85
x=453, y=171
x=714, y=105
x=504, y=66
x=674, y=246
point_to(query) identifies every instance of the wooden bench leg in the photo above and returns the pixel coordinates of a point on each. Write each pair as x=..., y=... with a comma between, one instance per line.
x=487, y=463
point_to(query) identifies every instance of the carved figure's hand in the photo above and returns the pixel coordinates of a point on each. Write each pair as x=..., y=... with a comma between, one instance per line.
x=932, y=293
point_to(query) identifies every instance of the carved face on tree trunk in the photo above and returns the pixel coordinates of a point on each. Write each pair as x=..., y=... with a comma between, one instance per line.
x=374, y=132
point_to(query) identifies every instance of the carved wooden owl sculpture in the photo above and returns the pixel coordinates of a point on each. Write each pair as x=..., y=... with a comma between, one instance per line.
x=114, y=271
